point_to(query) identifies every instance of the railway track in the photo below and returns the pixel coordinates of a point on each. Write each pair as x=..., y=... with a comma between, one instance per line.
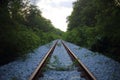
x=85, y=73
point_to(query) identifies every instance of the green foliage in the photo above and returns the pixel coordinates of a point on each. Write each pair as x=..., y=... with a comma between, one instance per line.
x=56, y=65
x=14, y=78
x=95, y=24
x=16, y=43
x=58, y=44
x=22, y=29
x=84, y=36
x=26, y=41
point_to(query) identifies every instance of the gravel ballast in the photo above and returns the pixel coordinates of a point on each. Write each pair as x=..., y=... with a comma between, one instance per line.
x=60, y=66
x=102, y=67
x=22, y=69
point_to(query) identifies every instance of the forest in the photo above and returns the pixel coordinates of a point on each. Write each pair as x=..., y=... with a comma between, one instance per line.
x=22, y=29
x=95, y=24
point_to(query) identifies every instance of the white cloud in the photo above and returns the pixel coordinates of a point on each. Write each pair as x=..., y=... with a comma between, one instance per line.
x=56, y=11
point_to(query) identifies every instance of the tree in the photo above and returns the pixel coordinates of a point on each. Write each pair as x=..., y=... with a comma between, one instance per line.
x=100, y=17
x=22, y=29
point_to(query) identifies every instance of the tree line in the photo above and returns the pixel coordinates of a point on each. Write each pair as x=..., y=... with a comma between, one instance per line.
x=95, y=24
x=22, y=29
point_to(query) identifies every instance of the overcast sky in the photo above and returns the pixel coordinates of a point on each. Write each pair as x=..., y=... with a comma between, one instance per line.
x=57, y=11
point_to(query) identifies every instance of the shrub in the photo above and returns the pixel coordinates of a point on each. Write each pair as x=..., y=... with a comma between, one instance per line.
x=16, y=42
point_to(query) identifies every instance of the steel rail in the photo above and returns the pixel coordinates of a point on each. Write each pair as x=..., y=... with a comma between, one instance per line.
x=38, y=70
x=85, y=72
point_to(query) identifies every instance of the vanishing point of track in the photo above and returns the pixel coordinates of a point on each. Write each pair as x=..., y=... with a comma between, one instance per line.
x=82, y=68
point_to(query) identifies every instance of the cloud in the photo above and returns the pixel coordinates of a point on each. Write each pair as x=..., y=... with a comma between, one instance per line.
x=56, y=11
x=67, y=4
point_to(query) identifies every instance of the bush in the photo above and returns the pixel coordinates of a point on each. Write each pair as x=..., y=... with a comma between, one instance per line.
x=16, y=42
x=84, y=36
x=26, y=41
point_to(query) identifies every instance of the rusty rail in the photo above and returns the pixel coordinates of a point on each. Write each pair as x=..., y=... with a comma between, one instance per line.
x=85, y=72
x=38, y=70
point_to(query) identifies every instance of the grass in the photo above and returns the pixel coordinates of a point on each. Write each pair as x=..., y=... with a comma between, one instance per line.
x=79, y=48
x=113, y=75
x=46, y=67
x=58, y=44
x=86, y=55
x=15, y=78
x=56, y=65
x=100, y=63
x=49, y=45
x=24, y=57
